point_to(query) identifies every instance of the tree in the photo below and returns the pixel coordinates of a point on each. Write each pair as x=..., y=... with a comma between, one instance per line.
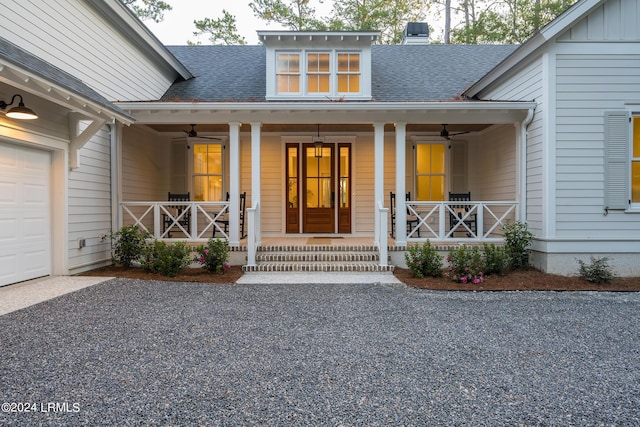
x=220, y=31
x=387, y=16
x=506, y=21
x=148, y=9
x=296, y=15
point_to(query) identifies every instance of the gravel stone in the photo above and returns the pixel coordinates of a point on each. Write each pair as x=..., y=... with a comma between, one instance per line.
x=129, y=352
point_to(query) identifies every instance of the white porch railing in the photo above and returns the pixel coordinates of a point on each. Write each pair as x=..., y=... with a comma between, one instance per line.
x=253, y=233
x=381, y=242
x=184, y=221
x=458, y=220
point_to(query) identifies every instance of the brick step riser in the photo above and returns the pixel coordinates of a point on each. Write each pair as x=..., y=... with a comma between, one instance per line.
x=317, y=257
x=318, y=267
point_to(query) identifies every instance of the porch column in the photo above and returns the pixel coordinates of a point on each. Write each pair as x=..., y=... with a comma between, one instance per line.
x=378, y=171
x=234, y=184
x=401, y=189
x=256, y=171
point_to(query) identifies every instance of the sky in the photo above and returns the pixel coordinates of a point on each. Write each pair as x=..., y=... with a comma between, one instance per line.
x=177, y=26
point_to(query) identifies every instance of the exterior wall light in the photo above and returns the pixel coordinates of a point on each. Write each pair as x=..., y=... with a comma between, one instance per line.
x=20, y=112
x=317, y=145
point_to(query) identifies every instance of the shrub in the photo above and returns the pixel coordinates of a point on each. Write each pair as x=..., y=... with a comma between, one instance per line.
x=168, y=260
x=424, y=260
x=496, y=260
x=214, y=257
x=518, y=239
x=127, y=244
x=466, y=265
x=598, y=271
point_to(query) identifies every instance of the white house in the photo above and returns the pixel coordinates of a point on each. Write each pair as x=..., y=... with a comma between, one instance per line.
x=317, y=129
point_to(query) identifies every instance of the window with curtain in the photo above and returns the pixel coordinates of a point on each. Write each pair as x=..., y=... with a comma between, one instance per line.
x=430, y=171
x=208, y=172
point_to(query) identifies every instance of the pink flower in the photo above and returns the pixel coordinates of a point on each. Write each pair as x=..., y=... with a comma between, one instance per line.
x=227, y=265
x=206, y=251
x=476, y=281
x=463, y=279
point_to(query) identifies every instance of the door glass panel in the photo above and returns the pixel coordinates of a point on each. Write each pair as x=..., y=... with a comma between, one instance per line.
x=635, y=182
x=313, y=197
x=430, y=171
x=344, y=177
x=292, y=177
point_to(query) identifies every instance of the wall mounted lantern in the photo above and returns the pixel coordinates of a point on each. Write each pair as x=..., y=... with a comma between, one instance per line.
x=317, y=144
x=20, y=112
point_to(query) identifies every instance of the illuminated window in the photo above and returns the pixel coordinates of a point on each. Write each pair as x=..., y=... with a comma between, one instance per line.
x=207, y=172
x=635, y=161
x=348, y=72
x=288, y=72
x=318, y=73
x=430, y=173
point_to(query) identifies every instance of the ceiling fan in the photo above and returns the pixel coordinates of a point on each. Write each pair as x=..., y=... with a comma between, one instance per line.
x=193, y=134
x=444, y=133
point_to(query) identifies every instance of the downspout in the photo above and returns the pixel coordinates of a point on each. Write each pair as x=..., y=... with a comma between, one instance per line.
x=524, y=126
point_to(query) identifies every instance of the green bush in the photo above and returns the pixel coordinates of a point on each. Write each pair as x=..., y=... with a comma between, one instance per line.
x=598, y=271
x=466, y=265
x=424, y=260
x=214, y=257
x=496, y=260
x=127, y=244
x=168, y=260
x=518, y=239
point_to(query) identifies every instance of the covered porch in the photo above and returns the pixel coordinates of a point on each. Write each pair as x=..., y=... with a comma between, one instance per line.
x=255, y=145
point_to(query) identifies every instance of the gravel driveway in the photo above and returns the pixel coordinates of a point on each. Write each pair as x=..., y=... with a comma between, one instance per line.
x=130, y=352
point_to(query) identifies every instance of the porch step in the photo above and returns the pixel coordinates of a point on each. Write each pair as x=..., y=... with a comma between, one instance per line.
x=320, y=258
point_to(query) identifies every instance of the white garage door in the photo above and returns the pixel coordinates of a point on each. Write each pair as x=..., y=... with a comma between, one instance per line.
x=25, y=230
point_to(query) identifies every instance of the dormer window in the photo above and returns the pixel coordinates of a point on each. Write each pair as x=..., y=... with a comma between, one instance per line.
x=288, y=72
x=318, y=66
x=318, y=72
x=348, y=72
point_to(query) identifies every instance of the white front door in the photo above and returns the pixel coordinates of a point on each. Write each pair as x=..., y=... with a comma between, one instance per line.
x=25, y=213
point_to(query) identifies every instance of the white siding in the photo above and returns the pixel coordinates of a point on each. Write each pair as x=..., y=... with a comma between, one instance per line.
x=89, y=212
x=146, y=166
x=614, y=20
x=73, y=37
x=492, y=165
x=527, y=85
x=587, y=86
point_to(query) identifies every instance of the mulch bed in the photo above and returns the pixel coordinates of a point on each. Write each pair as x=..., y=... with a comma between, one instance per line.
x=525, y=280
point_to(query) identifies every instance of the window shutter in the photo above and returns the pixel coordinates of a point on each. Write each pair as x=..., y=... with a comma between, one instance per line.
x=616, y=139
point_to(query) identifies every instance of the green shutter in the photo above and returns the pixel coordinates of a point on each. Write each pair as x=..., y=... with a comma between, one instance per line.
x=616, y=151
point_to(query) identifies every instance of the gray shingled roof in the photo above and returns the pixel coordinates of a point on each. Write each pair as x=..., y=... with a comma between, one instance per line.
x=399, y=72
x=222, y=73
x=25, y=60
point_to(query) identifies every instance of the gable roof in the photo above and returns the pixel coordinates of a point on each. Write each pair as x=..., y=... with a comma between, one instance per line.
x=26, y=62
x=400, y=73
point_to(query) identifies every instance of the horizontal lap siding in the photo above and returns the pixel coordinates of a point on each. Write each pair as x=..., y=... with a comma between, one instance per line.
x=146, y=166
x=71, y=36
x=492, y=169
x=587, y=86
x=364, y=177
x=272, y=185
x=526, y=85
x=89, y=209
